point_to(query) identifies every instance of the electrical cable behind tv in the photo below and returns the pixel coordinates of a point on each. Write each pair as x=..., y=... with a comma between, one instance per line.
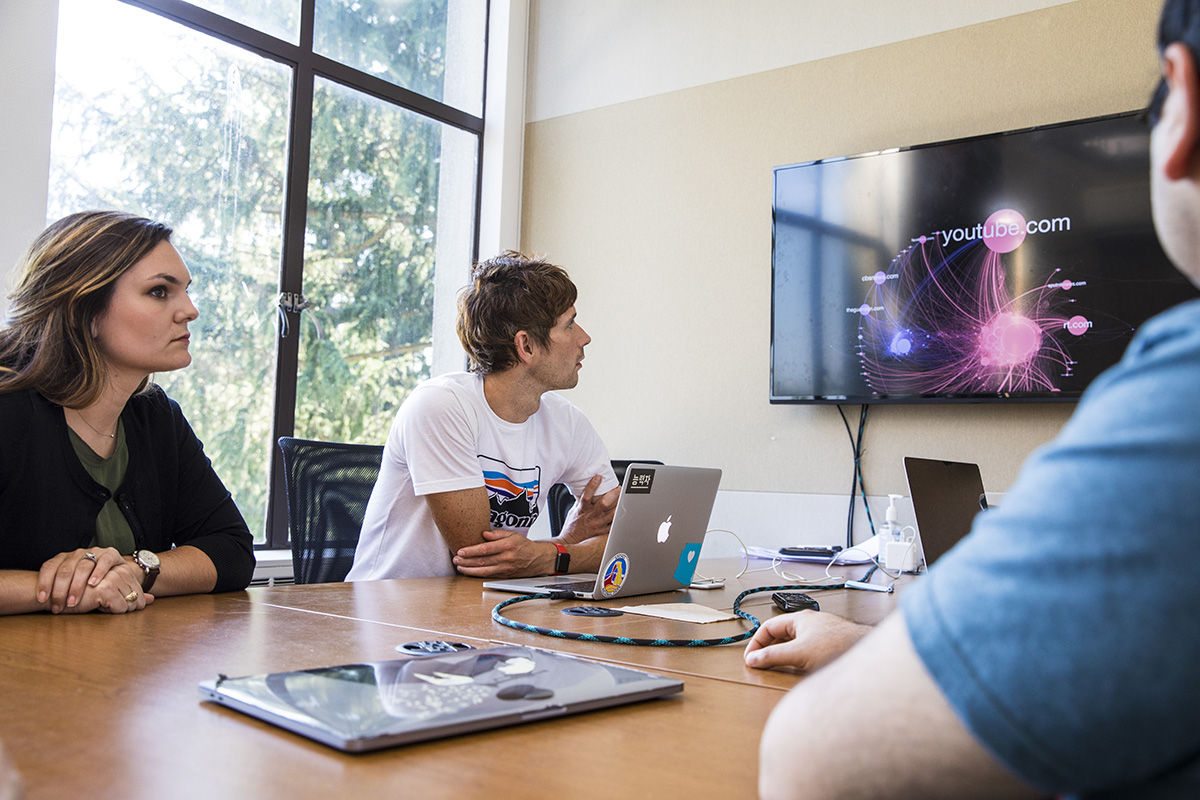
x=856, y=482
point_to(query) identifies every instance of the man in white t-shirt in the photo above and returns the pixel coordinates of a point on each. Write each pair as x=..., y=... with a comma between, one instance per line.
x=472, y=455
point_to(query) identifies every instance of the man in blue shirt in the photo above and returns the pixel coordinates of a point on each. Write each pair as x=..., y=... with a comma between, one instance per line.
x=1012, y=670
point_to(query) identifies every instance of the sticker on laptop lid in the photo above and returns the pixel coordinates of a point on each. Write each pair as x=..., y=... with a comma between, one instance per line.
x=614, y=575
x=641, y=480
x=687, y=562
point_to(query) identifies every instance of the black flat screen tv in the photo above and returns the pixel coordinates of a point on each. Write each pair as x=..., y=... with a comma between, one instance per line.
x=1007, y=267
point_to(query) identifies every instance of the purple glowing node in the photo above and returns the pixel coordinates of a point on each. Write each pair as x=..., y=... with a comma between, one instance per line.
x=864, y=309
x=1004, y=230
x=880, y=277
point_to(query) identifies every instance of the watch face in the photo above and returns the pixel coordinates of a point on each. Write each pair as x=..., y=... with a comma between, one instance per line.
x=148, y=559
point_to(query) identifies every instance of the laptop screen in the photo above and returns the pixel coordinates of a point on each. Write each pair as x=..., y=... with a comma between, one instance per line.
x=946, y=496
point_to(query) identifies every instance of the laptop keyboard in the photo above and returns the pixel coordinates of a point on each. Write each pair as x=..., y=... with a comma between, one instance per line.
x=577, y=586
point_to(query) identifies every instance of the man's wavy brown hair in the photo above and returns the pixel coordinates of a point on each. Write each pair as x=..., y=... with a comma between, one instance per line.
x=510, y=293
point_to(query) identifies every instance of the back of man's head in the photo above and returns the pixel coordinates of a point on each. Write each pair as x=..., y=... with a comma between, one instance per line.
x=508, y=294
x=1180, y=22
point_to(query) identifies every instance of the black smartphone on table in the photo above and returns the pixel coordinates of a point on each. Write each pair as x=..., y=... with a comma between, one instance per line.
x=795, y=601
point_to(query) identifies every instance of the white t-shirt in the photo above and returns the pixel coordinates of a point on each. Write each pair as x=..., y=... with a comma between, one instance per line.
x=446, y=438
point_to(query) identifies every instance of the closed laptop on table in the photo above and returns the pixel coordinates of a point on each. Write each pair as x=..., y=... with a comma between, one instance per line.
x=377, y=704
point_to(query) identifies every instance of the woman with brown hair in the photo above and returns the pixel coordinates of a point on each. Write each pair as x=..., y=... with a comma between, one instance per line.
x=106, y=497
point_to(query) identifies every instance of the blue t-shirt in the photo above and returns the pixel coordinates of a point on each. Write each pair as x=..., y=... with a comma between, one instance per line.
x=1064, y=629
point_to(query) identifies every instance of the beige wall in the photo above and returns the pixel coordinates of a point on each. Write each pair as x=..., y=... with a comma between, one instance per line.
x=661, y=210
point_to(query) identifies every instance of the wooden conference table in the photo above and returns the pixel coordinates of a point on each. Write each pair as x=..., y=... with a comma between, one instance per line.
x=108, y=704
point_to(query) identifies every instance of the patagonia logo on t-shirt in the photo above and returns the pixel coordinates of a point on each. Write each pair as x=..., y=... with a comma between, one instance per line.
x=512, y=492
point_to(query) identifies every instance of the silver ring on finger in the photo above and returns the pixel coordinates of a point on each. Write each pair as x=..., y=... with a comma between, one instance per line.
x=90, y=556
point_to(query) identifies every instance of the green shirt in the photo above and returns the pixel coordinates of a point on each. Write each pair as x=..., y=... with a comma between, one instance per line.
x=112, y=529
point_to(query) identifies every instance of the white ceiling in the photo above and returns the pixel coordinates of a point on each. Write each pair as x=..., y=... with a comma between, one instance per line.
x=586, y=54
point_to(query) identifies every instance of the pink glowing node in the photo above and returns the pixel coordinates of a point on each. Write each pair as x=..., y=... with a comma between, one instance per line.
x=1078, y=325
x=1004, y=230
x=1010, y=339
x=1066, y=285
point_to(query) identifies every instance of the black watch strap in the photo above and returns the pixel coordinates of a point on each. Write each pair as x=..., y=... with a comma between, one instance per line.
x=562, y=562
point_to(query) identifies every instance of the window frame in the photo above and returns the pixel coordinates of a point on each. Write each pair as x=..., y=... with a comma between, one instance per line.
x=307, y=66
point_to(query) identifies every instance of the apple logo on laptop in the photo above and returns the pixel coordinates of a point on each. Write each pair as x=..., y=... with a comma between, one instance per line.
x=664, y=530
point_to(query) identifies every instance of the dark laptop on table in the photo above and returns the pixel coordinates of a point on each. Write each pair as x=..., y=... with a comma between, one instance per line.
x=655, y=540
x=946, y=497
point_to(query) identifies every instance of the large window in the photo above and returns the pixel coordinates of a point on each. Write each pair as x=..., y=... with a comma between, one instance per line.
x=319, y=161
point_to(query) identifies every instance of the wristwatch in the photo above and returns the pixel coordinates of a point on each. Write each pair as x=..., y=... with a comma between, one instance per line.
x=562, y=561
x=149, y=563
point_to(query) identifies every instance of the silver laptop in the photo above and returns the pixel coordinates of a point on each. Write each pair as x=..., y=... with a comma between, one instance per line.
x=369, y=706
x=946, y=497
x=655, y=540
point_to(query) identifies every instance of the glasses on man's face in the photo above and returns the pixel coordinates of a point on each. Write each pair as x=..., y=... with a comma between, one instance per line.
x=1153, y=110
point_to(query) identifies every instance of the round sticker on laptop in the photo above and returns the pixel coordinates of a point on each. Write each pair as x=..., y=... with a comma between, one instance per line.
x=614, y=575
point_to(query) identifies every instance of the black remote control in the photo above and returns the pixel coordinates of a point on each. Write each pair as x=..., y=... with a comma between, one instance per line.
x=820, y=552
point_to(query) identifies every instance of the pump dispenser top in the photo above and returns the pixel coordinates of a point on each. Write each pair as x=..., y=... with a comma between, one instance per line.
x=891, y=528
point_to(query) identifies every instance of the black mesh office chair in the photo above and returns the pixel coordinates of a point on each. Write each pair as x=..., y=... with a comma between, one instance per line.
x=328, y=485
x=560, y=500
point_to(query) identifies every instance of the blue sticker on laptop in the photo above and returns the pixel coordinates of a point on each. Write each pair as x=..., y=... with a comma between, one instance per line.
x=614, y=575
x=641, y=480
x=687, y=562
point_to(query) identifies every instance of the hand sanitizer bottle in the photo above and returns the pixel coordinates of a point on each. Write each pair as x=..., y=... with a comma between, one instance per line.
x=891, y=526
x=891, y=533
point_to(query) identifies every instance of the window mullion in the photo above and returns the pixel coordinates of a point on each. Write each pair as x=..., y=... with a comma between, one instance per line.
x=291, y=278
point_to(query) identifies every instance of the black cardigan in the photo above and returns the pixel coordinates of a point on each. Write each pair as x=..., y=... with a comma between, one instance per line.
x=170, y=495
